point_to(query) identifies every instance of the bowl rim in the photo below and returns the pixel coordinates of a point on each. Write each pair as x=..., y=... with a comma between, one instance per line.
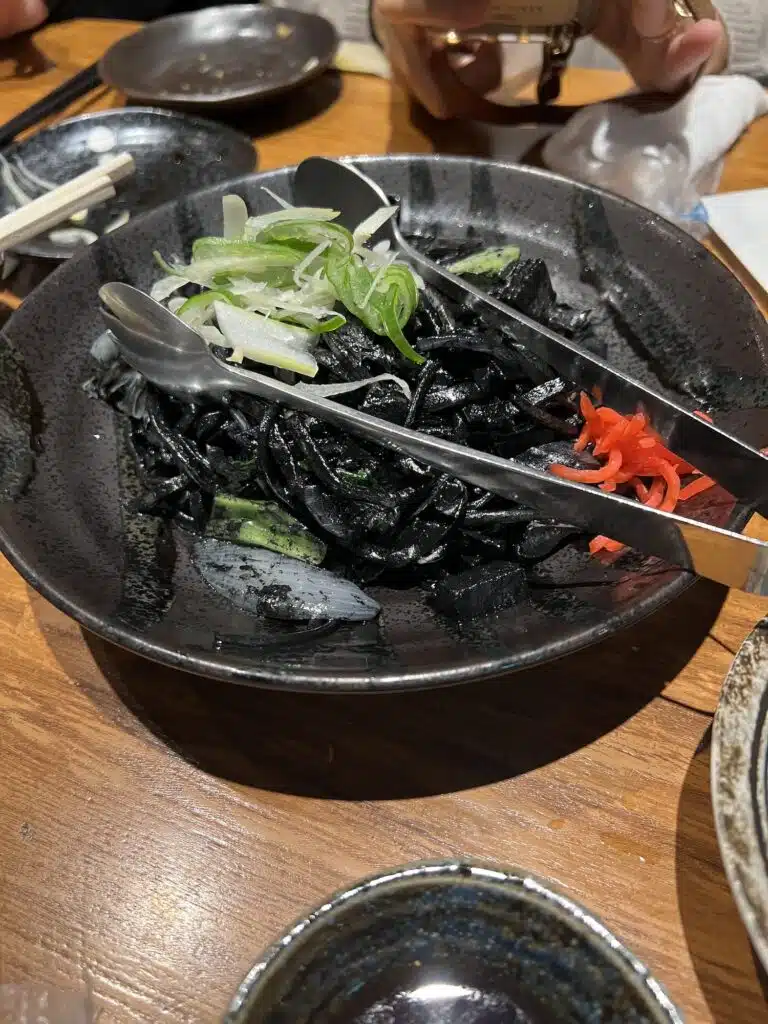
x=275, y=676
x=516, y=884
x=739, y=738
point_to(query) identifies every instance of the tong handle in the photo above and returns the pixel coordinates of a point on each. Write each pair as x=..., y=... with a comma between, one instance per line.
x=739, y=468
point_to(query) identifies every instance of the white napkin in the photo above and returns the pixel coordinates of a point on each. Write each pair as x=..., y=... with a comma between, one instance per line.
x=666, y=161
x=740, y=219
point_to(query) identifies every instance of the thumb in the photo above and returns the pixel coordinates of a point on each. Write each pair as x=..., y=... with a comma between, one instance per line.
x=690, y=51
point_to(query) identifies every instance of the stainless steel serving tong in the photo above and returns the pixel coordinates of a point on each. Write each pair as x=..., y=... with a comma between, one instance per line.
x=160, y=346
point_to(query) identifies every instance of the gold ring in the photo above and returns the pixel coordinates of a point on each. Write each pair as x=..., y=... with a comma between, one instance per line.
x=682, y=10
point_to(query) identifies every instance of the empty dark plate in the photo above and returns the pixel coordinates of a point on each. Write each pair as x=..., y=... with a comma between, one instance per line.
x=663, y=305
x=450, y=943
x=174, y=154
x=221, y=56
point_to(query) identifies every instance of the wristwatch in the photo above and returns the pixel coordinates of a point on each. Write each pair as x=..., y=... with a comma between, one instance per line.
x=556, y=24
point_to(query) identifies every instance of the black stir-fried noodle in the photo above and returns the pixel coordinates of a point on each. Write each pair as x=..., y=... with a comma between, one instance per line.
x=384, y=517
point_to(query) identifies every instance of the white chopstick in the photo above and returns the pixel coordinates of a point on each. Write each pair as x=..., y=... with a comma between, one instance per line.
x=49, y=210
x=116, y=169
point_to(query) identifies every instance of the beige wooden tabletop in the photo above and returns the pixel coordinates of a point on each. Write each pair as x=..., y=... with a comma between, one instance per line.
x=157, y=830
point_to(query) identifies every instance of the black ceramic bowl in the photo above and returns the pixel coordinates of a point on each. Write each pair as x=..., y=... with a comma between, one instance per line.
x=664, y=307
x=450, y=943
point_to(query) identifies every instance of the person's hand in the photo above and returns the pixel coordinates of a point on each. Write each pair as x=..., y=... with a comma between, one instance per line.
x=20, y=16
x=660, y=49
x=422, y=67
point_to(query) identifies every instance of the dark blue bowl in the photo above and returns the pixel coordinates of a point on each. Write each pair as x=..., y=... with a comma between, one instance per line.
x=450, y=943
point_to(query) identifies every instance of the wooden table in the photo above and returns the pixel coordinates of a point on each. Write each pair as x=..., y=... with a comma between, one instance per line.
x=158, y=829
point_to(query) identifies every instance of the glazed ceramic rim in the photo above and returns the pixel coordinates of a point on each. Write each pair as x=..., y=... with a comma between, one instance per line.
x=235, y=96
x=516, y=884
x=738, y=780
x=275, y=676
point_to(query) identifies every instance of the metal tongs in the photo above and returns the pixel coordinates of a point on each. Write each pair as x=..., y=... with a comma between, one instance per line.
x=166, y=351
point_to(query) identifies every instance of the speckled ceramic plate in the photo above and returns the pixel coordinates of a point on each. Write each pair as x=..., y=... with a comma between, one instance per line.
x=740, y=784
x=174, y=154
x=455, y=943
x=231, y=56
x=664, y=308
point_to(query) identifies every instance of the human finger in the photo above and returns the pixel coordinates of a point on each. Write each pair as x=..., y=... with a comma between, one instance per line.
x=689, y=51
x=654, y=19
x=21, y=16
x=409, y=50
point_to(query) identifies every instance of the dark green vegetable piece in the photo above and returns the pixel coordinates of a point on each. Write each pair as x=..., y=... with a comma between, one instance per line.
x=263, y=524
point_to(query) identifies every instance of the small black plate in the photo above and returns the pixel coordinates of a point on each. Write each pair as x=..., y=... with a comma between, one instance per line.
x=221, y=56
x=450, y=943
x=174, y=154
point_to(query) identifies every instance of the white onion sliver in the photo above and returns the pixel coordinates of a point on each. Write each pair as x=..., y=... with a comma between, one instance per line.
x=120, y=221
x=329, y=390
x=166, y=286
x=8, y=178
x=175, y=303
x=371, y=224
x=213, y=336
x=43, y=183
x=242, y=574
x=71, y=237
x=278, y=199
x=235, y=215
x=308, y=260
x=266, y=341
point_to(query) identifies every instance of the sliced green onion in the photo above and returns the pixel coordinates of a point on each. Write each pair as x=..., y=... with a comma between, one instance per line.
x=287, y=270
x=263, y=524
x=221, y=248
x=310, y=305
x=307, y=232
x=488, y=261
x=274, y=267
x=388, y=307
x=255, y=225
x=197, y=310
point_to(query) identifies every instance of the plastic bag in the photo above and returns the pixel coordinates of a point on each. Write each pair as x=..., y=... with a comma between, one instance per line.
x=667, y=160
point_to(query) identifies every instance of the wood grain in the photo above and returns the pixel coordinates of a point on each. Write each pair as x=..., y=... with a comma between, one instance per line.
x=159, y=829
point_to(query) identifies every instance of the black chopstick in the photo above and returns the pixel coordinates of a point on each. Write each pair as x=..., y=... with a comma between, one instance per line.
x=81, y=83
